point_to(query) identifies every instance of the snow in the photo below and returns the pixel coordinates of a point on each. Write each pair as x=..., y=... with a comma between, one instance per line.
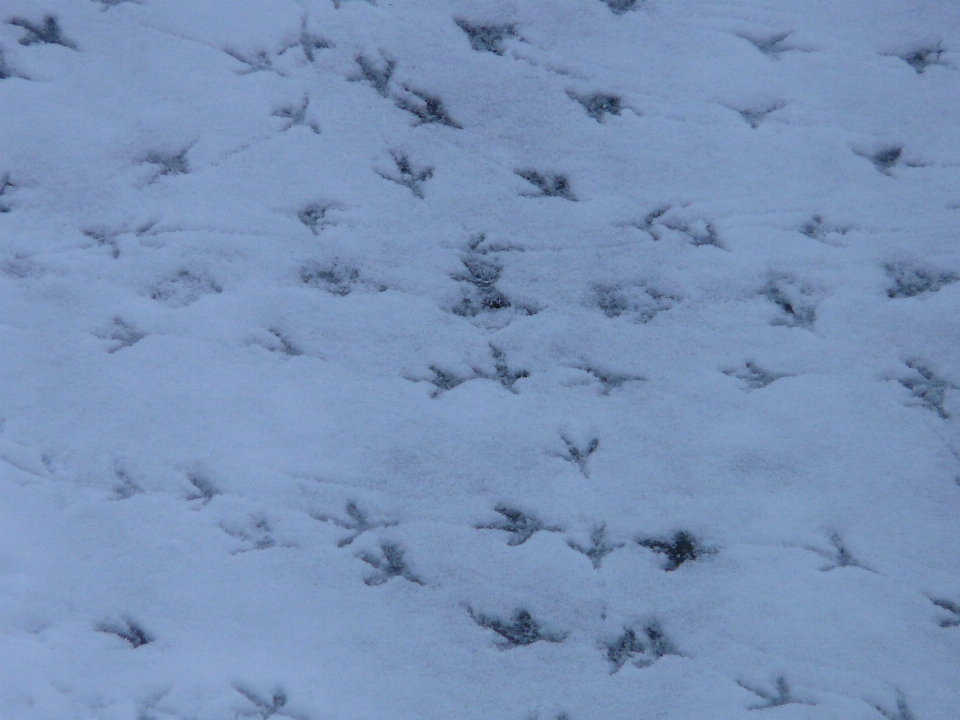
x=555, y=360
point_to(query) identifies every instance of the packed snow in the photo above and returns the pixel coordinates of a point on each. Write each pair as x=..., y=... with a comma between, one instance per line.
x=505, y=359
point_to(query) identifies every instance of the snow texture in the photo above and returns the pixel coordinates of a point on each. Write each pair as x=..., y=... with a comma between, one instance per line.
x=494, y=359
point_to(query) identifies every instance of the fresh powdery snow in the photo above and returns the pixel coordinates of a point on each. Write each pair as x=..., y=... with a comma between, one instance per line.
x=479, y=360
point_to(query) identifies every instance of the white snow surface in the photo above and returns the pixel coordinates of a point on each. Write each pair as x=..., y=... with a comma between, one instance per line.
x=479, y=360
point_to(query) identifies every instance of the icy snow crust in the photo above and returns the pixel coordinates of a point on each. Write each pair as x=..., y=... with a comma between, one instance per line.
x=479, y=360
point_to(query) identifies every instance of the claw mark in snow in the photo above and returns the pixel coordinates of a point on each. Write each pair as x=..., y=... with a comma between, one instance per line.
x=619, y=7
x=644, y=302
x=817, y=229
x=205, y=489
x=522, y=629
x=5, y=185
x=700, y=232
x=286, y=347
x=297, y=115
x=426, y=107
x=755, y=116
x=506, y=376
x=258, y=62
x=840, y=556
x=754, y=376
x=623, y=649
x=770, y=45
x=610, y=380
x=336, y=277
x=950, y=607
x=923, y=58
x=443, y=381
x=487, y=38
x=599, y=546
x=107, y=4
x=798, y=310
x=409, y=176
x=255, y=532
x=359, y=523
x=902, y=712
x=598, y=105
x=314, y=216
x=684, y=547
x=482, y=273
x=185, y=288
x=519, y=524
x=929, y=388
x=377, y=77
x=127, y=487
x=391, y=564
x=580, y=455
x=170, y=163
x=308, y=42
x=46, y=33
x=629, y=645
x=650, y=218
x=7, y=72
x=104, y=238
x=123, y=335
x=782, y=696
x=549, y=185
x=264, y=708
x=883, y=159
x=912, y=281
x=127, y=630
